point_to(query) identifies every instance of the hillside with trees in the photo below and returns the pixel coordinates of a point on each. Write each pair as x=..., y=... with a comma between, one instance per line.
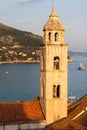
x=17, y=45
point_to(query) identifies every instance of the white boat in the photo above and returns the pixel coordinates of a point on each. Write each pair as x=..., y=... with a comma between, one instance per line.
x=7, y=72
x=81, y=67
x=72, y=98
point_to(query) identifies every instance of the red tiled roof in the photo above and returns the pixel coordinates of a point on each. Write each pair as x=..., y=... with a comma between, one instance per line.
x=73, y=121
x=20, y=111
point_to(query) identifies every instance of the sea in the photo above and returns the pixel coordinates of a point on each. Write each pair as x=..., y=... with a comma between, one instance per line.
x=21, y=81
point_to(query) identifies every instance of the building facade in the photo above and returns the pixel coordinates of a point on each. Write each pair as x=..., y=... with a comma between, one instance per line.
x=53, y=70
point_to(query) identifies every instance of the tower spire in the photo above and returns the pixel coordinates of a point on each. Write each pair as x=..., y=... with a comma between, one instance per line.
x=53, y=7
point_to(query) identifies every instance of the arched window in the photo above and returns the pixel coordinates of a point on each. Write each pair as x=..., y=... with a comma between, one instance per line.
x=49, y=36
x=56, y=62
x=56, y=36
x=56, y=91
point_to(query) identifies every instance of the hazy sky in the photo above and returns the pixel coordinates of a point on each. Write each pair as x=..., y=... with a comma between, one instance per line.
x=31, y=15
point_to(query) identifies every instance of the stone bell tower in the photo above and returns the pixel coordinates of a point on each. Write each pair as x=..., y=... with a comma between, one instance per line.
x=53, y=70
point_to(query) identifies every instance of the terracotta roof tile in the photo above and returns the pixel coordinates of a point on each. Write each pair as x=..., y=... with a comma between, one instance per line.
x=69, y=123
x=20, y=111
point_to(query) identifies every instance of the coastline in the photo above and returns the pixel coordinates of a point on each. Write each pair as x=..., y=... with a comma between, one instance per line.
x=70, y=60
x=12, y=62
x=26, y=61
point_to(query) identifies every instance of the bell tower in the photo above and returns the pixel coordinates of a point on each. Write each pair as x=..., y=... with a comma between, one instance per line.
x=53, y=70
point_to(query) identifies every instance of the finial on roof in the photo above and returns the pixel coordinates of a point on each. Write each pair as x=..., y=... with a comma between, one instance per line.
x=53, y=7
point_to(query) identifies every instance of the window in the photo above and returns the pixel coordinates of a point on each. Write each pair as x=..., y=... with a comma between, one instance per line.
x=50, y=36
x=56, y=91
x=56, y=36
x=56, y=62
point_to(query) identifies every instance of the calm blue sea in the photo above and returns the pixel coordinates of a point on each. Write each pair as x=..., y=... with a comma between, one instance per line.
x=77, y=79
x=20, y=81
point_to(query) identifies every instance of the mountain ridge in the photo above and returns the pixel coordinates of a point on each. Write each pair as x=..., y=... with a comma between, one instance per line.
x=77, y=53
x=18, y=45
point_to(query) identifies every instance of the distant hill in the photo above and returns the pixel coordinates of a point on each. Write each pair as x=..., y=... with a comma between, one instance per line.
x=18, y=45
x=72, y=53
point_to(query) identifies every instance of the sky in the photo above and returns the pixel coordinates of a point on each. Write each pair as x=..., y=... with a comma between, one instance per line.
x=31, y=15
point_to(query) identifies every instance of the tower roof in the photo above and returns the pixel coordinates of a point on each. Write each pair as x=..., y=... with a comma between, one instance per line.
x=53, y=22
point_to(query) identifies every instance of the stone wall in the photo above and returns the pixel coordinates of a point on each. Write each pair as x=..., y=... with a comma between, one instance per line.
x=23, y=126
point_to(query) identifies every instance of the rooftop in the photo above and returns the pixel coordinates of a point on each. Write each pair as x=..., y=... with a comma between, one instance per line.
x=53, y=22
x=77, y=117
x=13, y=112
x=20, y=111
